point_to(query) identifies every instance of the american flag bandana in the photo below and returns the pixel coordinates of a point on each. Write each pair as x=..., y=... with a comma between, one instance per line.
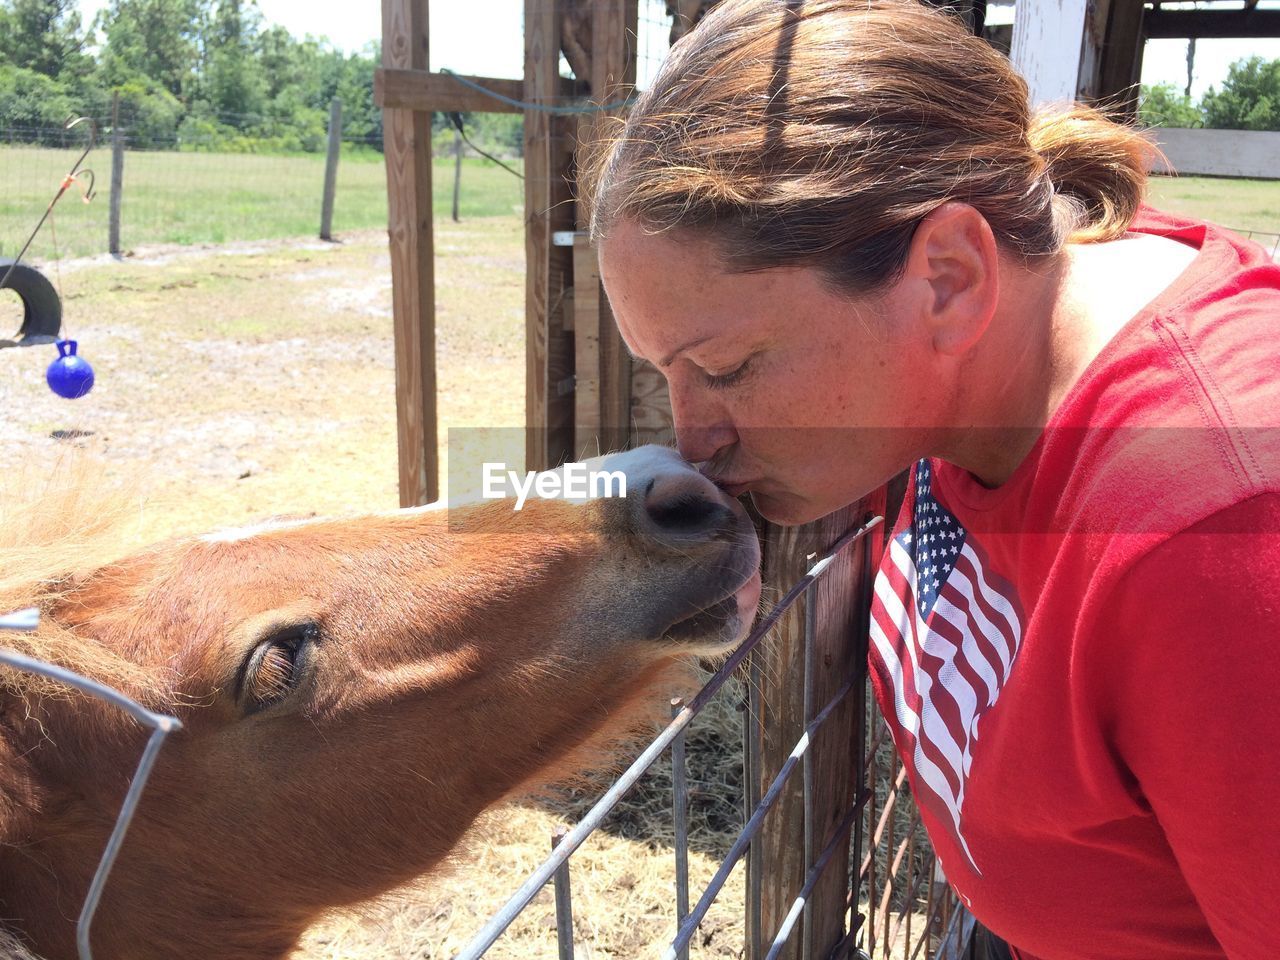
x=946, y=629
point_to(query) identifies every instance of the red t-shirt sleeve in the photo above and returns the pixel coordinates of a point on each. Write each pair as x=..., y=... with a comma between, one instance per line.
x=1192, y=643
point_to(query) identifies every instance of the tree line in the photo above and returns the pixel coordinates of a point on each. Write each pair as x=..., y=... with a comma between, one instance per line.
x=210, y=74
x=1248, y=100
x=191, y=74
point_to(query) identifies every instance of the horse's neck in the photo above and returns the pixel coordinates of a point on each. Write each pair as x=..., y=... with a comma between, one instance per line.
x=49, y=844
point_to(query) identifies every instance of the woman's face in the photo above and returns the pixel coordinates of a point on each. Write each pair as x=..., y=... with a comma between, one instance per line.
x=803, y=397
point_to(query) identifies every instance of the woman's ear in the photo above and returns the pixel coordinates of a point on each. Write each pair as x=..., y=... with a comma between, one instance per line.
x=952, y=266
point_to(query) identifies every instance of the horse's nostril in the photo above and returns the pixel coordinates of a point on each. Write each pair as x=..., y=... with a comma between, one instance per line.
x=686, y=504
x=687, y=513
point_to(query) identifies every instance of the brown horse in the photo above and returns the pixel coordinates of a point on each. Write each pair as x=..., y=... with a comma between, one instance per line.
x=353, y=694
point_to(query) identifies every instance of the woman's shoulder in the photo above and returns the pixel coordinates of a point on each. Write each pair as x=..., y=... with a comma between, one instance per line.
x=1188, y=397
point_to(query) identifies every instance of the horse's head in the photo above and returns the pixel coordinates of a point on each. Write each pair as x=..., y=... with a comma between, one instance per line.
x=353, y=693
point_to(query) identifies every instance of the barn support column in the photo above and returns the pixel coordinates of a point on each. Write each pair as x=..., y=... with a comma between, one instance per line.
x=1103, y=66
x=407, y=149
x=548, y=209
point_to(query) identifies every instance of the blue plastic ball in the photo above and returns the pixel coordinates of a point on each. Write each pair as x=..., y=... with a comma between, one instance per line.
x=69, y=376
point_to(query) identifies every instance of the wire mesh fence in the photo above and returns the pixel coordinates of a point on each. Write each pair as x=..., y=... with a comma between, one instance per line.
x=188, y=189
x=898, y=904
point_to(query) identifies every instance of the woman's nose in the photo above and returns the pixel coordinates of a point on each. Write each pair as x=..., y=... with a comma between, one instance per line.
x=703, y=429
x=697, y=444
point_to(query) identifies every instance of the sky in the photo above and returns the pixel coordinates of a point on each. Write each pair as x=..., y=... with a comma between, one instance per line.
x=483, y=37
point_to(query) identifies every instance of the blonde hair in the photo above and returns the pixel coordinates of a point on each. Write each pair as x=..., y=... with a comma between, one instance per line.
x=819, y=133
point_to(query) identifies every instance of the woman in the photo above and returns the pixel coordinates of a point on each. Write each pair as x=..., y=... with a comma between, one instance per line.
x=839, y=231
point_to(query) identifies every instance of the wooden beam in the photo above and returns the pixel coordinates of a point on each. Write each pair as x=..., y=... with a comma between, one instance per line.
x=407, y=148
x=423, y=90
x=1179, y=24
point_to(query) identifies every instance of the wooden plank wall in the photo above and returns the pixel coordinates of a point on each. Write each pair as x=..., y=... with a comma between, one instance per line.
x=407, y=148
x=1120, y=61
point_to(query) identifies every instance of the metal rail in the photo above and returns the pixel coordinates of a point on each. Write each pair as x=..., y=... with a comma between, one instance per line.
x=687, y=924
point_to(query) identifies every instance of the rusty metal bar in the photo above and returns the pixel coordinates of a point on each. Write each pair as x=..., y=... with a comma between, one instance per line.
x=753, y=826
x=595, y=816
x=680, y=816
x=875, y=744
x=913, y=881
x=890, y=799
x=812, y=876
x=564, y=902
x=869, y=865
x=753, y=747
x=810, y=633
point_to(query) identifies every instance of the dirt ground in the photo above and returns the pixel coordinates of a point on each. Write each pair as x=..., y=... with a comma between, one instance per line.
x=251, y=380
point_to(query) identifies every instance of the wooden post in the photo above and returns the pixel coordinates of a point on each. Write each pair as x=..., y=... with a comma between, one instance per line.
x=603, y=412
x=331, y=169
x=1047, y=43
x=588, y=322
x=841, y=609
x=117, y=177
x=548, y=268
x=1079, y=49
x=613, y=78
x=407, y=148
x=1120, y=64
x=457, y=170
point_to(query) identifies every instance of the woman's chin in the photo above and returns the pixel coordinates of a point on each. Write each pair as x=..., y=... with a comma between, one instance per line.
x=786, y=510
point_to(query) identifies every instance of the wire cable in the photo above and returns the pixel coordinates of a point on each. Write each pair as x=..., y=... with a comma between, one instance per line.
x=455, y=118
x=543, y=107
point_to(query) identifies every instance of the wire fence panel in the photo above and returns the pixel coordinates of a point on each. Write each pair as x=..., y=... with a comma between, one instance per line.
x=181, y=190
x=899, y=905
x=161, y=726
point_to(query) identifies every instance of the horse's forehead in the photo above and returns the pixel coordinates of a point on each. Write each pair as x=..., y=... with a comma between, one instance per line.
x=248, y=532
x=275, y=524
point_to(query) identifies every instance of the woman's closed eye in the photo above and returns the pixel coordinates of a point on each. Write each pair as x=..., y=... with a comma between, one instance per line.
x=721, y=381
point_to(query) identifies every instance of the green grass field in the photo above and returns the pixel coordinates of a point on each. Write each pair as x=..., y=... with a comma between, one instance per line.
x=217, y=198
x=184, y=198
x=1239, y=204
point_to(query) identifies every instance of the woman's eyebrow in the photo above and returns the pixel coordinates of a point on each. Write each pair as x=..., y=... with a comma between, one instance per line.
x=670, y=358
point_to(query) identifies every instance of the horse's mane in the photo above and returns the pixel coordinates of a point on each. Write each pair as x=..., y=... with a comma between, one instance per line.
x=11, y=948
x=53, y=532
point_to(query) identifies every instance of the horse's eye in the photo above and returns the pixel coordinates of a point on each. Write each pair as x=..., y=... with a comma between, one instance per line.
x=273, y=669
x=274, y=676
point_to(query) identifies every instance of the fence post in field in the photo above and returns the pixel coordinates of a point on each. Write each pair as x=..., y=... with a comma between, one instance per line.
x=117, y=176
x=457, y=170
x=331, y=169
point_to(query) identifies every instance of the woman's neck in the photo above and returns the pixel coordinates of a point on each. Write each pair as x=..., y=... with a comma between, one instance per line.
x=1052, y=322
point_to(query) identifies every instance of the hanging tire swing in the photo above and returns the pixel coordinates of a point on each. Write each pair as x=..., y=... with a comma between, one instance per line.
x=41, y=306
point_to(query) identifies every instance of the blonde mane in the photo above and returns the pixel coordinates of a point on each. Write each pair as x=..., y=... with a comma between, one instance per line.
x=54, y=533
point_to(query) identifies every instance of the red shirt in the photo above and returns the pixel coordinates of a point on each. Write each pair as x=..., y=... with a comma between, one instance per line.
x=1080, y=667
